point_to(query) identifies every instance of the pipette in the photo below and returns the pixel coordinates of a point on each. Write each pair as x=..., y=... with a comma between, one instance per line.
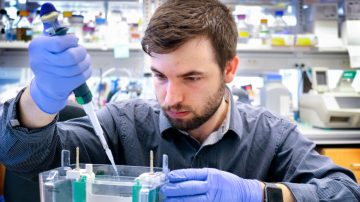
x=83, y=95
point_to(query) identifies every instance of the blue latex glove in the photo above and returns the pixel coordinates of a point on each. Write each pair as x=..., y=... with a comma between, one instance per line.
x=208, y=184
x=60, y=65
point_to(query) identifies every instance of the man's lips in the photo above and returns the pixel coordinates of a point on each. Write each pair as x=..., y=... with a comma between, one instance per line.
x=177, y=114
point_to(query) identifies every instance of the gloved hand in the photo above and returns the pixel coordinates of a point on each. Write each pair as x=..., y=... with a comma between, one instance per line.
x=208, y=184
x=60, y=65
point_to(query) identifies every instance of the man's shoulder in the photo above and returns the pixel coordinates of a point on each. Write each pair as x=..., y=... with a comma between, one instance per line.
x=135, y=107
x=255, y=116
x=250, y=112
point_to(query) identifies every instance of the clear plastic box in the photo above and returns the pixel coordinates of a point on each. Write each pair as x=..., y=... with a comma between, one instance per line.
x=132, y=184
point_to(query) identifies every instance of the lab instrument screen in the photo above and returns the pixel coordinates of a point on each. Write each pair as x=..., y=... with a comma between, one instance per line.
x=321, y=78
x=348, y=102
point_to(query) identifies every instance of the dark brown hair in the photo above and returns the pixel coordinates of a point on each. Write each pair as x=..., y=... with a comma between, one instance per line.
x=178, y=21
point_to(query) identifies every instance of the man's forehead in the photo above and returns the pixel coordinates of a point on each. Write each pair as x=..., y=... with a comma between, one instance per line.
x=194, y=55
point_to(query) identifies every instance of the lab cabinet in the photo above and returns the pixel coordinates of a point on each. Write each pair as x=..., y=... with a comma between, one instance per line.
x=345, y=157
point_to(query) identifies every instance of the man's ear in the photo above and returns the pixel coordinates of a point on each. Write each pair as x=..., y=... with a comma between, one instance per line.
x=230, y=69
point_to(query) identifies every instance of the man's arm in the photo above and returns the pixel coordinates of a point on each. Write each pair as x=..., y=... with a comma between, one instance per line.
x=308, y=175
x=287, y=195
x=30, y=151
x=28, y=110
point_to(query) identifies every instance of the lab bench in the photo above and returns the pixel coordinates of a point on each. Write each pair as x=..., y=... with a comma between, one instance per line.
x=330, y=137
x=342, y=146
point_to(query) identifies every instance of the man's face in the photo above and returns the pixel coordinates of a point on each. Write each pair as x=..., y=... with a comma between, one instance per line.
x=189, y=84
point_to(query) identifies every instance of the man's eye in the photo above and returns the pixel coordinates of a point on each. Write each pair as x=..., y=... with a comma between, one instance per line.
x=193, y=78
x=160, y=76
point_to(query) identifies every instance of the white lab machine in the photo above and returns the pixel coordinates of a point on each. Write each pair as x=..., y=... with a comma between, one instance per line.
x=329, y=109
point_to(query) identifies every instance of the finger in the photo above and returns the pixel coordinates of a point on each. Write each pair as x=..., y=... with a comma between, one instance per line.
x=197, y=198
x=63, y=85
x=80, y=79
x=188, y=174
x=71, y=56
x=69, y=71
x=187, y=188
x=55, y=44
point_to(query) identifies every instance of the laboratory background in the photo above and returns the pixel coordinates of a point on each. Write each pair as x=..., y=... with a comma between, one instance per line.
x=298, y=58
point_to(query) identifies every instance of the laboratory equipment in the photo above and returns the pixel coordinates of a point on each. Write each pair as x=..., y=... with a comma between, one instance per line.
x=319, y=79
x=280, y=26
x=147, y=91
x=23, y=29
x=274, y=96
x=264, y=33
x=97, y=182
x=82, y=93
x=37, y=25
x=7, y=25
x=279, y=30
x=243, y=29
x=66, y=20
x=3, y=22
x=323, y=108
x=280, y=33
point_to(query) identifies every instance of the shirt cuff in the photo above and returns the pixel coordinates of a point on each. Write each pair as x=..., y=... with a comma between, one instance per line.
x=303, y=192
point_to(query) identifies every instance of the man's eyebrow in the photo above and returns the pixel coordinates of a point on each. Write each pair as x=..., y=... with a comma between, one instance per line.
x=155, y=70
x=191, y=73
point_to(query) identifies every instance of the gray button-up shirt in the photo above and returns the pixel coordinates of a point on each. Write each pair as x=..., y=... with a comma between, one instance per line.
x=257, y=145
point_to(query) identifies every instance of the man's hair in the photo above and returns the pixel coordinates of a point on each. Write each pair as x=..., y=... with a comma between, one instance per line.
x=178, y=21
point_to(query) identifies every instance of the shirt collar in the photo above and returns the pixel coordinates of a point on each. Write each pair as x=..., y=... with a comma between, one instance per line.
x=235, y=123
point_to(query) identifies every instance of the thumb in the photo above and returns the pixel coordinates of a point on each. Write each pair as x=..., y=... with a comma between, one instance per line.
x=188, y=174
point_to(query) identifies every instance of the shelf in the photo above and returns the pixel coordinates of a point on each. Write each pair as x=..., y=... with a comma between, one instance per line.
x=330, y=137
x=18, y=45
x=254, y=59
x=241, y=48
x=288, y=49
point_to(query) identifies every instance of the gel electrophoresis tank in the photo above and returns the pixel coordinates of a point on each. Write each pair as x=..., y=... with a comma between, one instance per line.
x=99, y=183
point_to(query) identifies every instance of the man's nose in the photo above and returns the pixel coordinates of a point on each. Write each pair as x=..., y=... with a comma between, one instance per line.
x=174, y=94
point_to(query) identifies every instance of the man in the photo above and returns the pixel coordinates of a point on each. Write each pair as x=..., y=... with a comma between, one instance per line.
x=233, y=152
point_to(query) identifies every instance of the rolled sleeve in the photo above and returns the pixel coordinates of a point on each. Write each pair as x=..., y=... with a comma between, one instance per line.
x=23, y=148
x=310, y=176
x=303, y=192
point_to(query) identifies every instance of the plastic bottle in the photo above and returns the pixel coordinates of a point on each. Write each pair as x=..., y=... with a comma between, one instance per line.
x=66, y=21
x=37, y=25
x=23, y=30
x=10, y=32
x=100, y=31
x=243, y=29
x=279, y=30
x=275, y=97
x=148, y=91
x=14, y=25
x=77, y=23
x=119, y=36
x=264, y=32
x=3, y=19
x=6, y=26
x=280, y=26
x=89, y=30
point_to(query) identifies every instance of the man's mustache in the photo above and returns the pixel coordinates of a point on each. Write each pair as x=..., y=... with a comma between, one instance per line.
x=177, y=107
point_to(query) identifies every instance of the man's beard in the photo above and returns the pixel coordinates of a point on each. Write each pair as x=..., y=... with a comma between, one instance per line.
x=211, y=106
